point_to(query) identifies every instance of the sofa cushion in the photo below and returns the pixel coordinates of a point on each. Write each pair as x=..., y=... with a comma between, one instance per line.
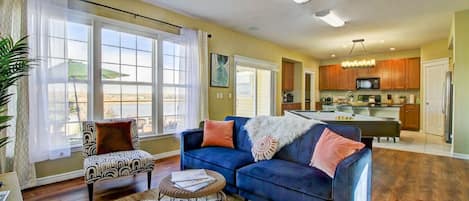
x=283, y=180
x=218, y=133
x=240, y=135
x=301, y=149
x=331, y=149
x=223, y=160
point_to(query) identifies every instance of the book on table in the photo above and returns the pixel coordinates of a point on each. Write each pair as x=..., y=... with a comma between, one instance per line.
x=4, y=195
x=191, y=180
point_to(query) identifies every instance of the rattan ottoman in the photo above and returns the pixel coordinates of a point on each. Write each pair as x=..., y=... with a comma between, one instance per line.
x=167, y=188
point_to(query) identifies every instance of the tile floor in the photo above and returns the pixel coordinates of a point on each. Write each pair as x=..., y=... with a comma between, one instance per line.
x=417, y=142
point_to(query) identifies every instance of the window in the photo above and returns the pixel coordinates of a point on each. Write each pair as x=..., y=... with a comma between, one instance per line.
x=68, y=58
x=129, y=77
x=174, y=86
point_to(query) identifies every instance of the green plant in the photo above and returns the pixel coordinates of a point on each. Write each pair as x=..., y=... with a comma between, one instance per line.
x=14, y=64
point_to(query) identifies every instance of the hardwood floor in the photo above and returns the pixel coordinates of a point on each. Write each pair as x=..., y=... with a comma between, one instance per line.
x=397, y=176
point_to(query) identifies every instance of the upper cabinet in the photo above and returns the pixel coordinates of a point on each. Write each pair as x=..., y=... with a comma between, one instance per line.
x=413, y=73
x=395, y=74
x=398, y=74
x=288, y=76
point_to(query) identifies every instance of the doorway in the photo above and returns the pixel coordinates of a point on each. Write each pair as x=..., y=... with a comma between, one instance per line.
x=434, y=78
x=254, y=91
x=309, y=90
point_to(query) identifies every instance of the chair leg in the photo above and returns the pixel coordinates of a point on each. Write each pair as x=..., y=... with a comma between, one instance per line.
x=149, y=179
x=90, y=191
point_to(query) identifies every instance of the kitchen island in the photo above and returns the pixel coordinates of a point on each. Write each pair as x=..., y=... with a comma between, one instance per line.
x=383, y=111
x=370, y=126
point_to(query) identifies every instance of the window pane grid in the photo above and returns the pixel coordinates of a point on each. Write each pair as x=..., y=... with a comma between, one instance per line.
x=130, y=92
x=68, y=56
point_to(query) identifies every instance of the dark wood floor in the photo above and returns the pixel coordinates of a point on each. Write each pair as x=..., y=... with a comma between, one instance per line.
x=397, y=176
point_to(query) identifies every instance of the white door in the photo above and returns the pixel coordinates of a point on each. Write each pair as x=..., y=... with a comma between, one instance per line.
x=434, y=73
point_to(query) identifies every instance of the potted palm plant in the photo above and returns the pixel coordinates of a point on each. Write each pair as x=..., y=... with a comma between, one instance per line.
x=14, y=64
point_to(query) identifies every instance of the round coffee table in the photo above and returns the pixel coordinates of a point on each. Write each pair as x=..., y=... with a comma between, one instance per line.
x=167, y=188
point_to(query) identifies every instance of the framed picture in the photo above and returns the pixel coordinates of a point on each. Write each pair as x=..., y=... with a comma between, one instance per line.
x=219, y=70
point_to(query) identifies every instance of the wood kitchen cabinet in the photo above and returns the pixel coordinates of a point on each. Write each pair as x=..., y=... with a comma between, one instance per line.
x=398, y=74
x=323, y=74
x=413, y=73
x=333, y=78
x=290, y=106
x=394, y=74
x=385, y=71
x=410, y=117
x=288, y=76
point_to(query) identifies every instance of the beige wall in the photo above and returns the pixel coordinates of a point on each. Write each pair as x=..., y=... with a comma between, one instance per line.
x=435, y=50
x=461, y=82
x=223, y=41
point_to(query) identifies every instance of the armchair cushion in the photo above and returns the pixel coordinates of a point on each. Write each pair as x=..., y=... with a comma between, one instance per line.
x=89, y=136
x=113, y=137
x=116, y=164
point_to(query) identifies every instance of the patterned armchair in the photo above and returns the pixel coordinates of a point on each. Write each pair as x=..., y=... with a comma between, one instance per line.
x=116, y=164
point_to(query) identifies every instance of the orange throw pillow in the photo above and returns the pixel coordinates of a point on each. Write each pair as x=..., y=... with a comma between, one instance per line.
x=331, y=149
x=113, y=137
x=218, y=133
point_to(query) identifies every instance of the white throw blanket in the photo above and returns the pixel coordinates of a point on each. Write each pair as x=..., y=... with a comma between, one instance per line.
x=285, y=129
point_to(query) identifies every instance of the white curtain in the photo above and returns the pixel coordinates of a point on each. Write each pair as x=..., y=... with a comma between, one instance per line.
x=196, y=46
x=48, y=108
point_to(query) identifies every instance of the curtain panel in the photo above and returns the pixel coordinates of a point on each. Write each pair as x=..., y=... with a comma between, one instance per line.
x=48, y=82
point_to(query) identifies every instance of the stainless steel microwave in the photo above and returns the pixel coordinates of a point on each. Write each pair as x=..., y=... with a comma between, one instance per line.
x=367, y=83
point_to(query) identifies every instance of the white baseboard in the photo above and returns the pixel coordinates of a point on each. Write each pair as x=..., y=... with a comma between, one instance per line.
x=79, y=173
x=461, y=156
x=59, y=177
x=166, y=154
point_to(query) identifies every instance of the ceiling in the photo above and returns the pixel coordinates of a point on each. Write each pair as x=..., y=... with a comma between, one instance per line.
x=400, y=24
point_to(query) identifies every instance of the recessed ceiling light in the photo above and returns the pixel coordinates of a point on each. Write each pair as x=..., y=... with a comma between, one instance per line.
x=381, y=41
x=392, y=49
x=253, y=28
x=301, y=1
x=330, y=18
x=333, y=55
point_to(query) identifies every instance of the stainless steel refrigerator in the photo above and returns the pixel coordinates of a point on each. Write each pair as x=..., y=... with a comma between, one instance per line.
x=448, y=106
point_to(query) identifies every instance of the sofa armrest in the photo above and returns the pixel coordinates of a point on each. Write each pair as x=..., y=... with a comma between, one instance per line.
x=352, y=179
x=190, y=140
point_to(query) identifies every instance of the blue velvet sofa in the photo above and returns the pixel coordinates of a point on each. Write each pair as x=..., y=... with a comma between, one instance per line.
x=287, y=177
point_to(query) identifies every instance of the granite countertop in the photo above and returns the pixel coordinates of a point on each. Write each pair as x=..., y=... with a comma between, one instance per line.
x=367, y=106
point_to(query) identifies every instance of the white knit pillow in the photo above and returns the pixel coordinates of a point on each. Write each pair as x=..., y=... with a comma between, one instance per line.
x=264, y=148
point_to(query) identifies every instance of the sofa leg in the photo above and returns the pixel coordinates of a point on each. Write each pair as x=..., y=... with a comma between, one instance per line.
x=149, y=180
x=90, y=192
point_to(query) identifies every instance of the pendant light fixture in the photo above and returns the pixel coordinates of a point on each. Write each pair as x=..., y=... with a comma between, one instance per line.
x=359, y=63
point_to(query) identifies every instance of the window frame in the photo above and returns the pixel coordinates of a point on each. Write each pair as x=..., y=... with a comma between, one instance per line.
x=256, y=64
x=95, y=107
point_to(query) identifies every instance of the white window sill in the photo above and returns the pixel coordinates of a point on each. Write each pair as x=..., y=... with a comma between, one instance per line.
x=78, y=147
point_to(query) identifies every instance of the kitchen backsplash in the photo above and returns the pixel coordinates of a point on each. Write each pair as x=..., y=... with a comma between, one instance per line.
x=395, y=94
